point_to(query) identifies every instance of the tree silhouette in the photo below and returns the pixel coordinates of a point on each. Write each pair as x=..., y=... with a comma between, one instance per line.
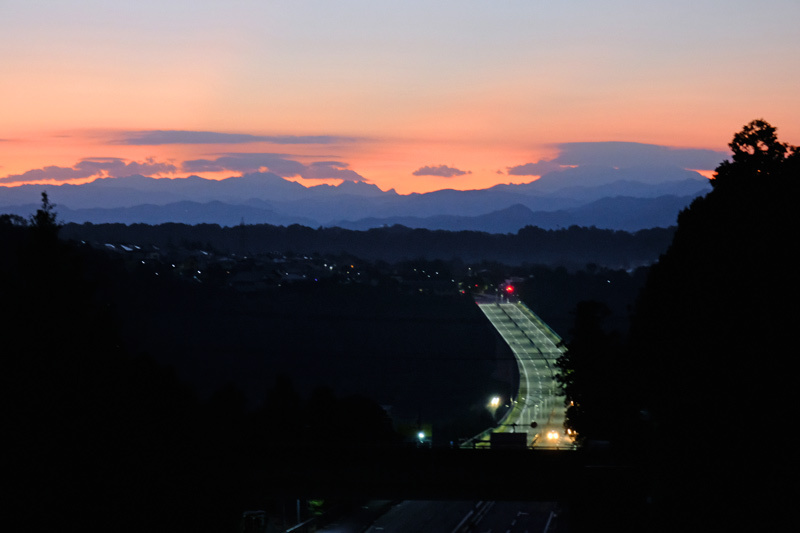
x=45, y=216
x=756, y=153
x=43, y=223
x=10, y=220
x=588, y=374
x=711, y=330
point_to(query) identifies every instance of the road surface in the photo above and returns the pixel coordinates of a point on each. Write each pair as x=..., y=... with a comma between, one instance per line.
x=536, y=349
x=458, y=517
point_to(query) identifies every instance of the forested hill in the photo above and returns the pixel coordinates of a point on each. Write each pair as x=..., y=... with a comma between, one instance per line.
x=571, y=247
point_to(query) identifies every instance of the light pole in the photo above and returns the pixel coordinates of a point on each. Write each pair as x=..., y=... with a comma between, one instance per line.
x=494, y=403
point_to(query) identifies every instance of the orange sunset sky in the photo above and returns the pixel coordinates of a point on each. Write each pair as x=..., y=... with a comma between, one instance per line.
x=413, y=95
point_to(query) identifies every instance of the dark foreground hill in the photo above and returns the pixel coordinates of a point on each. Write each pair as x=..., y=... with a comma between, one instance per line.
x=141, y=402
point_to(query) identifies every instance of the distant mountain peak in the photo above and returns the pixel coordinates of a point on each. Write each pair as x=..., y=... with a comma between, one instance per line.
x=361, y=188
x=555, y=200
x=516, y=209
x=263, y=178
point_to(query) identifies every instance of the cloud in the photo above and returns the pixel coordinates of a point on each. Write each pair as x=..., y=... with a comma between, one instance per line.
x=47, y=173
x=92, y=167
x=159, y=137
x=246, y=162
x=115, y=167
x=534, y=169
x=442, y=171
x=622, y=155
x=324, y=170
x=629, y=154
x=275, y=163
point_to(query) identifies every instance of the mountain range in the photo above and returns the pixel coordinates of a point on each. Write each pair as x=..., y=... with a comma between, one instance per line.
x=622, y=199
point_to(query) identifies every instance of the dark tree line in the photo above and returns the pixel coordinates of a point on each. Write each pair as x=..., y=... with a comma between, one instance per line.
x=702, y=389
x=714, y=330
x=573, y=247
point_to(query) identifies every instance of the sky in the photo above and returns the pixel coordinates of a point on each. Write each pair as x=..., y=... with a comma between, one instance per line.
x=414, y=96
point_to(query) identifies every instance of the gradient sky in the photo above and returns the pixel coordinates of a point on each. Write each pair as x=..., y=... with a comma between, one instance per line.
x=412, y=95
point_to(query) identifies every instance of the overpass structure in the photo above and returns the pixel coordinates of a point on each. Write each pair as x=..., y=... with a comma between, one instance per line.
x=538, y=408
x=444, y=473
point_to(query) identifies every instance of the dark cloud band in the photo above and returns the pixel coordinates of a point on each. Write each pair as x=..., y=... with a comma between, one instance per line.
x=629, y=154
x=622, y=155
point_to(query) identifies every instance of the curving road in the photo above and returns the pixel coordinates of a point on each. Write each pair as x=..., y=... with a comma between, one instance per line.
x=536, y=348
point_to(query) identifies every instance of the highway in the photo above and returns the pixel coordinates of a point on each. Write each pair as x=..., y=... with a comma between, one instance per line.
x=462, y=517
x=445, y=516
x=486, y=475
x=536, y=349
